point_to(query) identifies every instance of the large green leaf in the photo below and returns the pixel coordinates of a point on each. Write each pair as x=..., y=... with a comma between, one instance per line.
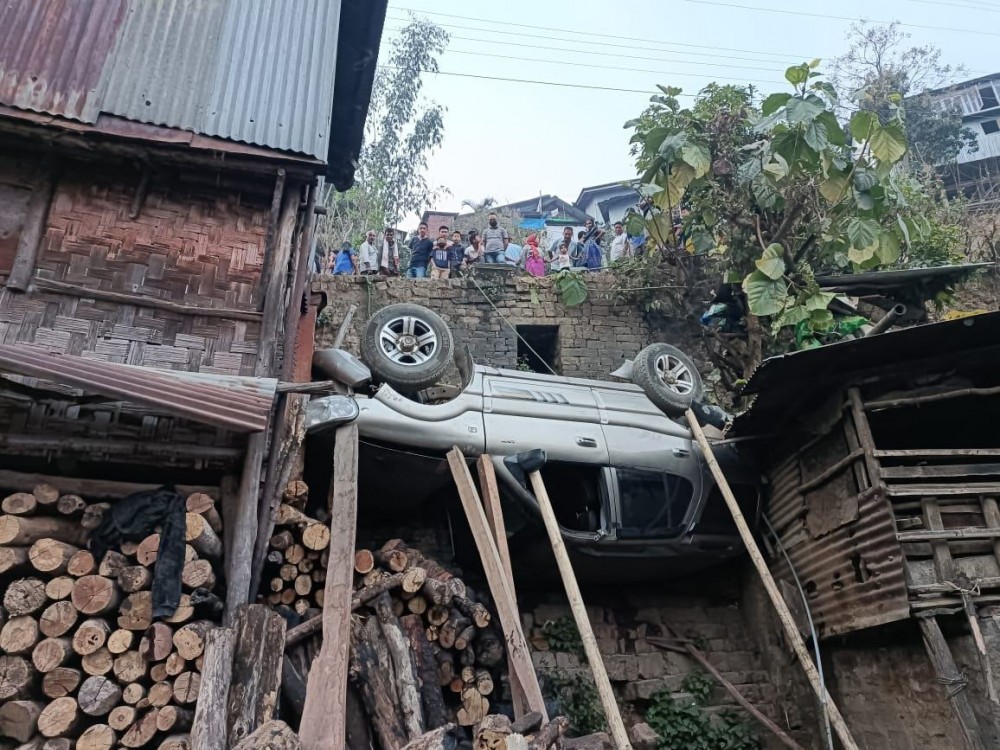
x=703, y=242
x=888, y=249
x=772, y=262
x=863, y=124
x=821, y=320
x=834, y=130
x=773, y=103
x=765, y=296
x=863, y=233
x=833, y=188
x=862, y=255
x=697, y=157
x=803, y=109
x=889, y=143
x=635, y=224
x=571, y=287
x=792, y=315
x=903, y=229
x=816, y=135
x=818, y=301
x=797, y=74
x=671, y=146
x=864, y=180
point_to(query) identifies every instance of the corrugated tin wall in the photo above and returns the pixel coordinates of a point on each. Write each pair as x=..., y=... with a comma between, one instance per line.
x=257, y=71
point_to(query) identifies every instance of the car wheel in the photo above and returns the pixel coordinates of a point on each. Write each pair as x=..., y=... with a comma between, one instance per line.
x=668, y=377
x=407, y=346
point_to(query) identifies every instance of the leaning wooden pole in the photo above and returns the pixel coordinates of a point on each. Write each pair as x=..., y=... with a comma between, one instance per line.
x=784, y=614
x=593, y=653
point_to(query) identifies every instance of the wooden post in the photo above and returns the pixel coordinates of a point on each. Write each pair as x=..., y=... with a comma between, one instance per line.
x=494, y=517
x=777, y=601
x=273, y=287
x=256, y=676
x=300, y=272
x=604, y=691
x=209, y=731
x=323, y=722
x=954, y=682
x=35, y=219
x=272, y=233
x=503, y=597
x=244, y=525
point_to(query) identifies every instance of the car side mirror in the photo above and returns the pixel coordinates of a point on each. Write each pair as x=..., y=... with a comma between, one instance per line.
x=330, y=411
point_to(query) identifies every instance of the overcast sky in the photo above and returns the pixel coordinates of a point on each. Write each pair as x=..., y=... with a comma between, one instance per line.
x=515, y=140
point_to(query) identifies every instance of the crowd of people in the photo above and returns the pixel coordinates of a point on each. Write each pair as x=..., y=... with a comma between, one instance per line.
x=453, y=253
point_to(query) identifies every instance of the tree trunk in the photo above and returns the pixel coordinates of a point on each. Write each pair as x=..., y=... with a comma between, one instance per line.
x=256, y=676
x=402, y=663
x=208, y=731
x=374, y=680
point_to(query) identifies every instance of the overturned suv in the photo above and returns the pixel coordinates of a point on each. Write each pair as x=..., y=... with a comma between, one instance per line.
x=627, y=482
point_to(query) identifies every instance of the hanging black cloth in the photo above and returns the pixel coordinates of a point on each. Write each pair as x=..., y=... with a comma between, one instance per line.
x=134, y=518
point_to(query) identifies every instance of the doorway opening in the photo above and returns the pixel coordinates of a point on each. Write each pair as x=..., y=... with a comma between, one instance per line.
x=538, y=349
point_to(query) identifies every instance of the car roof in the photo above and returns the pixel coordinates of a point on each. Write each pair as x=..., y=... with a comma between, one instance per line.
x=537, y=377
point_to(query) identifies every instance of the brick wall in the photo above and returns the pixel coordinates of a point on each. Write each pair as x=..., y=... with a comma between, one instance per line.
x=595, y=337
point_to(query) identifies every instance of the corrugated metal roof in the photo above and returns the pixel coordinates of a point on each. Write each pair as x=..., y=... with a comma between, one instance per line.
x=238, y=404
x=274, y=77
x=161, y=68
x=52, y=53
x=262, y=72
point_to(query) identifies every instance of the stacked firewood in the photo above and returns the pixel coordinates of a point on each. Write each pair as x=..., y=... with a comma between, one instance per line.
x=81, y=661
x=297, y=557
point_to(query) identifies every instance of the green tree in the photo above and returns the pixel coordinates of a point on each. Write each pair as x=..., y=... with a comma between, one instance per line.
x=776, y=196
x=402, y=131
x=879, y=65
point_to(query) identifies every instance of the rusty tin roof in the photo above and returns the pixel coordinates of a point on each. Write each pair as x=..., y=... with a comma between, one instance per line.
x=240, y=404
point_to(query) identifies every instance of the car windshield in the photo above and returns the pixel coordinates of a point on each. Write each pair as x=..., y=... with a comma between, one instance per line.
x=653, y=503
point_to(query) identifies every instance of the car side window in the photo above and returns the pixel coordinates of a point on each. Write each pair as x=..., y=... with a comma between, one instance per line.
x=652, y=503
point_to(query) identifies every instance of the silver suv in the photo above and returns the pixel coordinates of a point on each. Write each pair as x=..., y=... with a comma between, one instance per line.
x=626, y=480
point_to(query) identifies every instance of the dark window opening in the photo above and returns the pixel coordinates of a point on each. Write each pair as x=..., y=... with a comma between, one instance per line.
x=991, y=126
x=538, y=349
x=575, y=493
x=989, y=97
x=716, y=518
x=653, y=503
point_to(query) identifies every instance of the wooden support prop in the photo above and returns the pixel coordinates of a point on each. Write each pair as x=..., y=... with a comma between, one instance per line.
x=323, y=722
x=729, y=687
x=777, y=601
x=244, y=528
x=593, y=653
x=494, y=517
x=954, y=683
x=300, y=272
x=270, y=238
x=503, y=597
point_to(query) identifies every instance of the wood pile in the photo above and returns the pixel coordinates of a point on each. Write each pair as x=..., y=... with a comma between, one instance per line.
x=82, y=663
x=424, y=649
x=296, y=559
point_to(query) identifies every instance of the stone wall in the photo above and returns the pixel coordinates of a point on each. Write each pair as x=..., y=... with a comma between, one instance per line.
x=594, y=338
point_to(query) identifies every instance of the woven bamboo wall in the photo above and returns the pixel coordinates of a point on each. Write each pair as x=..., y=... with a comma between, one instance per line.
x=192, y=245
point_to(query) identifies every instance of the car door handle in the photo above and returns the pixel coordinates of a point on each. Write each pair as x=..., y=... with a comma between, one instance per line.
x=681, y=452
x=585, y=442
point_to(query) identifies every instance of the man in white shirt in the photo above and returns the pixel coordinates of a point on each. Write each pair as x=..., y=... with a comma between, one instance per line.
x=368, y=255
x=621, y=248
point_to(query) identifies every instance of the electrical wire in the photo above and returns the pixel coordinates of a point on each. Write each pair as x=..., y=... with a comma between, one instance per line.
x=806, y=13
x=812, y=629
x=529, y=80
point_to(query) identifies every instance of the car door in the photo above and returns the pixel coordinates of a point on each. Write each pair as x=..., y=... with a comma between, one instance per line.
x=522, y=414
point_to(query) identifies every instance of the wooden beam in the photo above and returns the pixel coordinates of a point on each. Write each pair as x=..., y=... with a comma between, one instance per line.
x=92, y=489
x=494, y=517
x=274, y=285
x=244, y=528
x=952, y=681
x=35, y=219
x=503, y=597
x=136, y=300
x=791, y=630
x=256, y=678
x=941, y=534
x=272, y=233
x=208, y=732
x=892, y=403
x=944, y=490
x=300, y=272
x=324, y=720
x=945, y=470
x=939, y=453
x=590, y=648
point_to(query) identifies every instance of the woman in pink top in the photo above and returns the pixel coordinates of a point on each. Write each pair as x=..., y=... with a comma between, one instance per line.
x=534, y=263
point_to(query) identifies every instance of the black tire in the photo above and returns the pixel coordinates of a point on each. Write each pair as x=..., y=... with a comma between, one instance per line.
x=393, y=353
x=649, y=373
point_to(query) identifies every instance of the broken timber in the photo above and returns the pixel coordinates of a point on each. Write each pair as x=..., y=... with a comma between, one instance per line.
x=506, y=604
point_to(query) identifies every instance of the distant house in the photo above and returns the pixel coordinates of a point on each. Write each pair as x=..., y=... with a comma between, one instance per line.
x=437, y=219
x=610, y=202
x=545, y=215
x=978, y=102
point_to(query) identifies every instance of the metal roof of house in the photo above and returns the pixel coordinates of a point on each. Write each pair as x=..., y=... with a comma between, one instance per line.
x=236, y=403
x=630, y=184
x=787, y=385
x=268, y=73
